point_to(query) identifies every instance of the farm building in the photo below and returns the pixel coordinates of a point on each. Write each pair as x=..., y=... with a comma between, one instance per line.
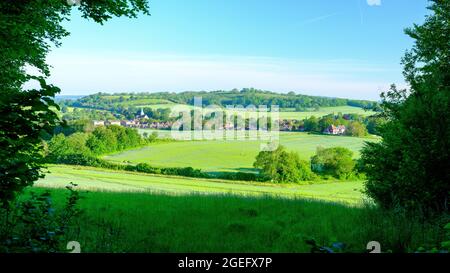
x=98, y=122
x=335, y=130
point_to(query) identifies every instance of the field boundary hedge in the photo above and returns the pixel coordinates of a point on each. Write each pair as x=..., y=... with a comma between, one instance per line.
x=92, y=161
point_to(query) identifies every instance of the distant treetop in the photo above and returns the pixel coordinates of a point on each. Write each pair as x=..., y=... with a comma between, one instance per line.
x=243, y=97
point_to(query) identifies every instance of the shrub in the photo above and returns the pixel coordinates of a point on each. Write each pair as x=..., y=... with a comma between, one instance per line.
x=187, y=171
x=356, y=128
x=337, y=162
x=34, y=225
x=282, y=166
x=239, y=176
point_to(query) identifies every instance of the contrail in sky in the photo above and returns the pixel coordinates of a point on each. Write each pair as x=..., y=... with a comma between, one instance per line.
x=317, y=19
x=360, y=11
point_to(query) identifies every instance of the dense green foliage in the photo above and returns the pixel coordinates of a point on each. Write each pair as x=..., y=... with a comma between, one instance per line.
x=111, y=113
x=27, y=31
x=92, y=161
x=102, y=140
x=282, y=166
x=336, y=161
x=24, y=118
x=33, y=225
x=74, y=114
x=73, y=126
x=186, y=171
x=286, y=167
x=410, y=168
x=84, y=149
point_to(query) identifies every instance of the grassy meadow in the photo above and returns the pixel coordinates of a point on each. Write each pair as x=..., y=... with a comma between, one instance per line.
x=323, y=111
x=96, y=179
x=142, y=222
x=230, y=156
x=136, y=212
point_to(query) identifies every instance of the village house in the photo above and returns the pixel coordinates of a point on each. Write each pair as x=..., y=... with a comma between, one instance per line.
x=286, y=125
x=161, y=125
x=335, y=130
x=128, y=123
x=98, y=122
x=143, y=125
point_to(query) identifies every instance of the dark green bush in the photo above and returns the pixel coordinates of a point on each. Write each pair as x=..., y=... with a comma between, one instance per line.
x=241, y=176
x=34, y=225
x=282, y=166
x=337, y=162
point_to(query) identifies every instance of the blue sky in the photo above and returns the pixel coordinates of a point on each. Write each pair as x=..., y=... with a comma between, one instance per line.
x=338, y=48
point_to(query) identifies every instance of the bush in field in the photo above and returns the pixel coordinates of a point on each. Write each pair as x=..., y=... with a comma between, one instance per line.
x=240, y=176
x=312, y=124
x=282, y=166
x=145, y=168
x=152, y=137
x=337, y=162
x=356, y=128
x=83, y=160
x=187, y=171
x=410, y=167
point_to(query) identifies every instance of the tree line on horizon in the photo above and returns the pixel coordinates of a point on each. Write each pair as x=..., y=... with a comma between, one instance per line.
x=244, y=97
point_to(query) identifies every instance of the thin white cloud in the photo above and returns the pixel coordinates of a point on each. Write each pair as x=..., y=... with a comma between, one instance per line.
x=81, y=73
x=374, y=2
x=317, y=19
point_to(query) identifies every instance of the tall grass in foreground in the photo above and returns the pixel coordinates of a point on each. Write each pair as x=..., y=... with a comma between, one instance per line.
x=140, y=222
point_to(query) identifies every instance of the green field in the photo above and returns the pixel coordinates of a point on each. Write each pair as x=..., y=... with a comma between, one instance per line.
x=107, y=180
x=230, y=156
x=325, y=111
x=153, y=103
x=131, y=212
x=285, y=114
x=70, y=109
x=141, y=222
x=137, y=102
